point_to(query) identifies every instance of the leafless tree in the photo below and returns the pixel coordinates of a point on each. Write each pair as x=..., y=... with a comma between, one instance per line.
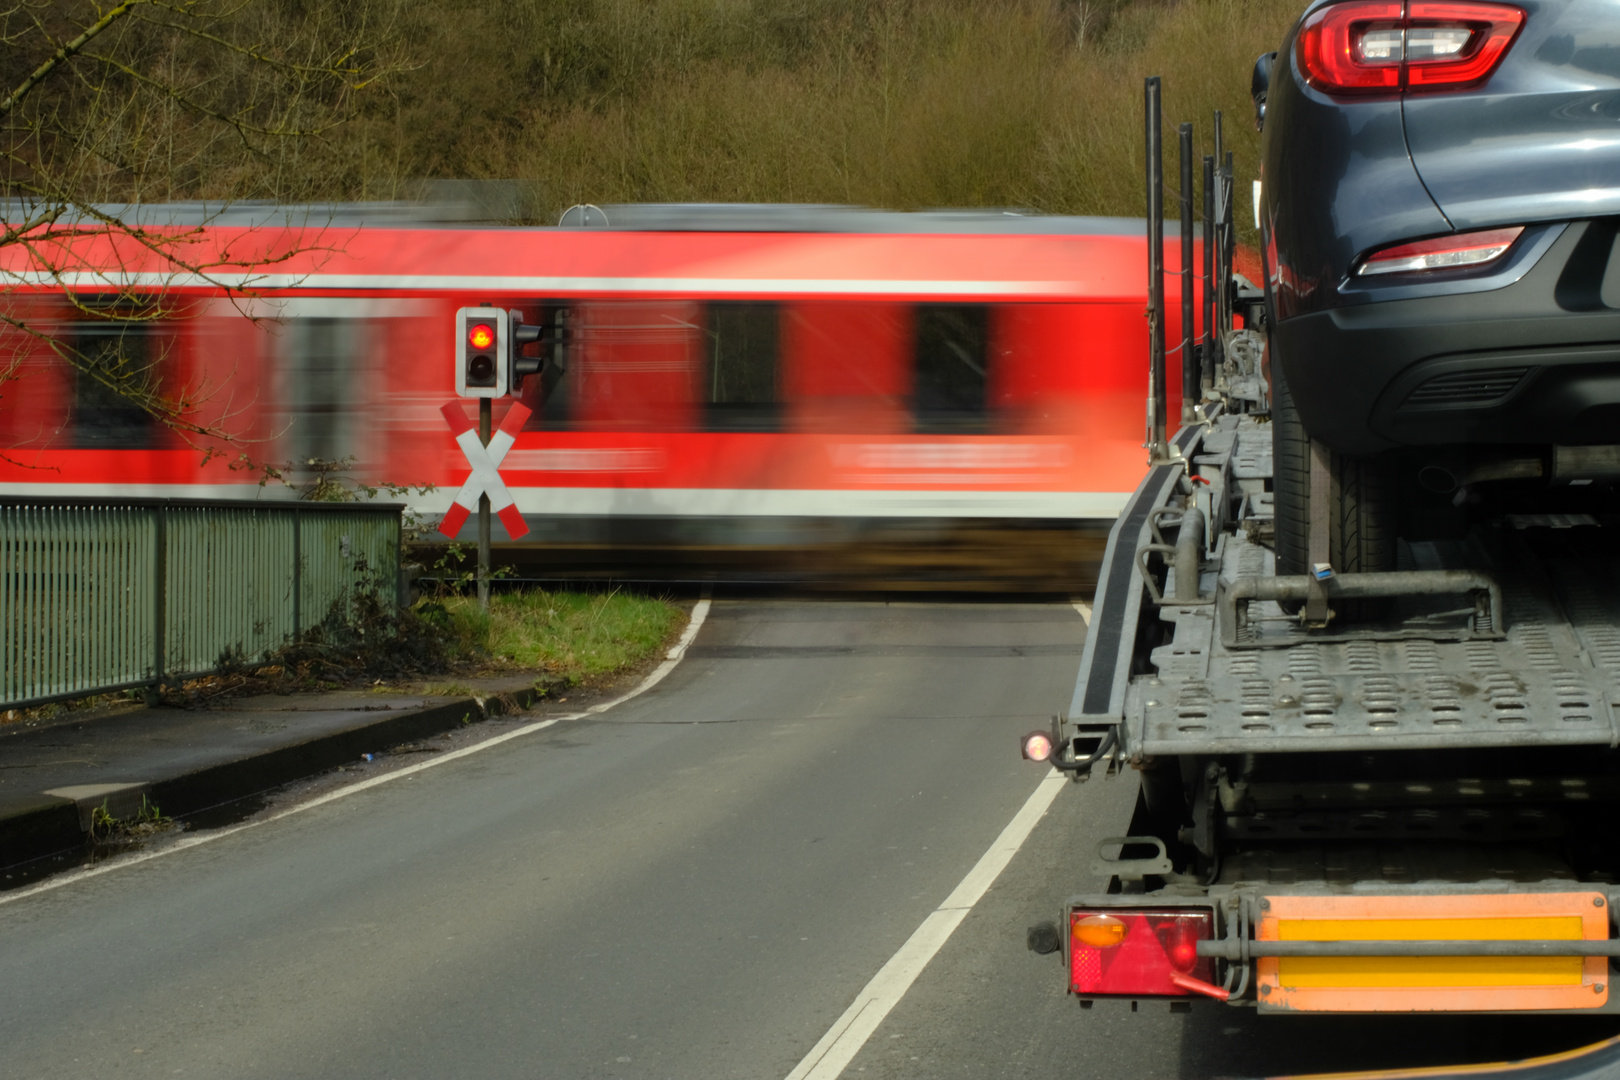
x=113, y=105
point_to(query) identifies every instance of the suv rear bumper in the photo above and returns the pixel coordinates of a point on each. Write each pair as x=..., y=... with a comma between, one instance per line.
x=1535, y=362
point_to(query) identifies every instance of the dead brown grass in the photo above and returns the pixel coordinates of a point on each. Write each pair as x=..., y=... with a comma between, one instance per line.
x=893, y=103
x=1028, y=103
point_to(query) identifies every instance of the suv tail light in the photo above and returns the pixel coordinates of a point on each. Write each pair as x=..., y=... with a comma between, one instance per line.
x=1389, y=46
x=1454, y=252
x=1144, y=952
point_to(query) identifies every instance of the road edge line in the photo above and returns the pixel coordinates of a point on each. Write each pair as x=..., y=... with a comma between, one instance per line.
x=838, y=1047
x=700, y=612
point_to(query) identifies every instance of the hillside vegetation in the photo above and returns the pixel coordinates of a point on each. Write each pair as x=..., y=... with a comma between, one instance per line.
x=926, y=103
x=893, y=103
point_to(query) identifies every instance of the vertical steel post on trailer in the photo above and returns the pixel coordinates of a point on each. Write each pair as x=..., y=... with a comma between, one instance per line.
x=1228, y=240
x=1158, y=438
x=1207, y=367
x=485, y=406
x=1222, y=271
x=1222, y=266
x=1189, y=360
x=1228, y=244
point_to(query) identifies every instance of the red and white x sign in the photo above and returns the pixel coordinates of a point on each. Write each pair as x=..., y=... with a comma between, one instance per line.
x=485, y=462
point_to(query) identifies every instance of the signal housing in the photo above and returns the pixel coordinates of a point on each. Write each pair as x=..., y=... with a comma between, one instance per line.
x=483, y=372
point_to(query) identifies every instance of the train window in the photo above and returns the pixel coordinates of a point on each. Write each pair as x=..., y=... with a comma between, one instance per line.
x=636, y=365
x=319, y=392
x=550, y=393
x=739, y=390
x=115, y=361
x=953, y=367
x=846, y=365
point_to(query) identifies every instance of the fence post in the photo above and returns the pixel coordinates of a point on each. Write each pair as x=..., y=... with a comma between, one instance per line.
x=298, y=572
x=160, y=599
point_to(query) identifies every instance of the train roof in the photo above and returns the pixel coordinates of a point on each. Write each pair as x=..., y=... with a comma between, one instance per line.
x=713, y=251
x=793, y=217
x=616, y=217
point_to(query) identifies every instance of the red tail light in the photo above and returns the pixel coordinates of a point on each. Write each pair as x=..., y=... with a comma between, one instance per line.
x=1439, y=57
x=1386, y=46
x=1146, y=952
x=1354, y=47
x=1454, y=252
x=1037, y=746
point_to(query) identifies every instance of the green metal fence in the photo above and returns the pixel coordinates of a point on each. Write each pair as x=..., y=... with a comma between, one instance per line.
x=99, y=595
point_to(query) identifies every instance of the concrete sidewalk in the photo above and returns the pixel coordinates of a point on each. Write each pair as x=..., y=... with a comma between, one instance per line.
x=188, y=760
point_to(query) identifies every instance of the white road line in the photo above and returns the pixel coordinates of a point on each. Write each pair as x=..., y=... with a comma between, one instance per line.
x=673, y=657
x=845, y=1038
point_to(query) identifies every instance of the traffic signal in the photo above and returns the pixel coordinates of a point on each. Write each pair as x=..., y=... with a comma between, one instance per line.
x=522, y=366
x=550, y=362
x=483, y=352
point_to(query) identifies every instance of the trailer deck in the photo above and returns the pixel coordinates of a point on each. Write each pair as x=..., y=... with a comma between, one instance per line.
x=1422, y=678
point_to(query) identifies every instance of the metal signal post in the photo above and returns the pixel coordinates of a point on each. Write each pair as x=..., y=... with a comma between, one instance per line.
x=485, y=412
x=488, y=365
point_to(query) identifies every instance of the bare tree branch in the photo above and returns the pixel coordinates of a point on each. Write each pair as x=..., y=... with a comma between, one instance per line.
x=67, y=52
x=206, y=98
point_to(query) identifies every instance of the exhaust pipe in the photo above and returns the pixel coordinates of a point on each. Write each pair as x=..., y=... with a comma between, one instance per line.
x=1564, y=464
x=1585, y=462
x=1443, y=478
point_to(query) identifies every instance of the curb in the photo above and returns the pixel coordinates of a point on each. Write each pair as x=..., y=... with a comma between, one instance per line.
x=33, y=827
x=37, y=825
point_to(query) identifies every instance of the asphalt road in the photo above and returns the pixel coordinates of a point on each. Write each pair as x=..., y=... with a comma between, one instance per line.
x=695, y=884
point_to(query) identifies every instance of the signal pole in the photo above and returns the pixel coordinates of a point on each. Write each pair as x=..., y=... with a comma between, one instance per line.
x=486, y=344
x=484, y=413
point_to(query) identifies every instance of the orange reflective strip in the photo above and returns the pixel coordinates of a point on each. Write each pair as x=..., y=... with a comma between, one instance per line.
x=1433, y=983
x=1546, y=928
x=1393, y=971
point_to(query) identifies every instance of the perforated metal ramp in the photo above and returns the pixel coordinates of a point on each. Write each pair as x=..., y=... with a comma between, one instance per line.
x=1553, y=680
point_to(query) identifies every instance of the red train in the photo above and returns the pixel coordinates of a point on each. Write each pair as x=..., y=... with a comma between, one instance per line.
x=739, y=391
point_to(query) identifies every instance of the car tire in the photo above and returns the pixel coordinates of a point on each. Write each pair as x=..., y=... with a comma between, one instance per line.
x=1361, y=526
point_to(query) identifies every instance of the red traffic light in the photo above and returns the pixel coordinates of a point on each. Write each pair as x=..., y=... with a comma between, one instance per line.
x=481, y=336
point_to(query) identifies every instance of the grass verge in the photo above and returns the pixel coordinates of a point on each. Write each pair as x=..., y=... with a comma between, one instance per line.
x=563, y=638
x=577, y=635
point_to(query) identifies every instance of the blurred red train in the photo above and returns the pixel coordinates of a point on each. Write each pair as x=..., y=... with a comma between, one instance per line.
x=741, y=392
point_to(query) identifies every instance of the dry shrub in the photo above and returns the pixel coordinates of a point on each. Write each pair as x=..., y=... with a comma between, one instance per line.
x=893, y=103
x=908, y=105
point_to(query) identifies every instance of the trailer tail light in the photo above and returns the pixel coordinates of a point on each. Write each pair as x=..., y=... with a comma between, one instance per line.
x=1145, y=952
x=1459, y=251
x=1037, y=746
x=1382, y=47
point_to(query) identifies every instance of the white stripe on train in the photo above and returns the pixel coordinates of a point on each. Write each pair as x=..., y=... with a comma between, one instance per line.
x=547, y=286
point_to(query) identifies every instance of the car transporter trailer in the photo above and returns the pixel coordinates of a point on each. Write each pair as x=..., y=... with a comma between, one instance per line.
x=1407, y=810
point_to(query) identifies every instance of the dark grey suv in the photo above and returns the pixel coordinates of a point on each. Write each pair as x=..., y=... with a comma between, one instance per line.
x=1441, y=224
